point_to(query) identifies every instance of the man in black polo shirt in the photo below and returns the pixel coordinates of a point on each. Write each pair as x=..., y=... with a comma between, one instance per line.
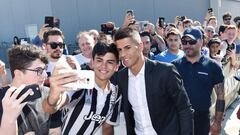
x=200, y=75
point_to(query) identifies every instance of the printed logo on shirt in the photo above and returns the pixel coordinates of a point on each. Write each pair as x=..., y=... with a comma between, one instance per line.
x=94, y=117
x=203, y=73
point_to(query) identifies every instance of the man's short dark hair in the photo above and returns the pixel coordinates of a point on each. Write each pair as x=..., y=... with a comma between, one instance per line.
x=21, y=57
x=52, y=32
x=127, y=32
x=227, y=14
x=101, y=48
x=186, y=21
x=221, y=29
x=145, y=33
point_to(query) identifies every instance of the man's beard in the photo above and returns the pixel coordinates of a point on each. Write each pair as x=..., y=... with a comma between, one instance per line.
x=56, y=55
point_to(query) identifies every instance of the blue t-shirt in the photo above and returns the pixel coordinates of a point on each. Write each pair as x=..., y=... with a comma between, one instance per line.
x=166, y=56
x=199, y=79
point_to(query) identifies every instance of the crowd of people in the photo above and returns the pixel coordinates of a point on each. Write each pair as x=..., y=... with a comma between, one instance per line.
x=160, y=76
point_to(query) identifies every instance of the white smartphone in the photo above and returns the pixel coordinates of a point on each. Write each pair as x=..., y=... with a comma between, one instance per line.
x=86, y=79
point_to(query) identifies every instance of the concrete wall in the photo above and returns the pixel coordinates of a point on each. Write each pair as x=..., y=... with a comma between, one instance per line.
x=79, y=15
x=222, y=6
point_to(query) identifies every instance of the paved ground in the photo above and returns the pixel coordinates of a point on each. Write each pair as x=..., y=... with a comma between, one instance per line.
x=231, y=124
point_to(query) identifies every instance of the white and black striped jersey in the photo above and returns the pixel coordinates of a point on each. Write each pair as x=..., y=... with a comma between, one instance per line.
x=89, y=109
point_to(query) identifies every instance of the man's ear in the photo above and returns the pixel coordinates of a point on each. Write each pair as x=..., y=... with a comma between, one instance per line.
x=44, y=46
x=141, y=46
x=117, y=67
x=18, y=73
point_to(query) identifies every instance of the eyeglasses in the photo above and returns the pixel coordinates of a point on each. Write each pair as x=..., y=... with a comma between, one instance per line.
x=54, y=45
x=190, y=42
x=39, y=70
x=227, y=19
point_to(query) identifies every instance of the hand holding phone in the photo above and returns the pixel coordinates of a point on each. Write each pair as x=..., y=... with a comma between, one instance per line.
x=36, y=93
x=210, y=10
x=86, y=79
x=161, y=21
x=49, y=20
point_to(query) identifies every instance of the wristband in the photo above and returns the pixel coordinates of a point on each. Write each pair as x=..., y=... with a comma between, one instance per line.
x=220, y=105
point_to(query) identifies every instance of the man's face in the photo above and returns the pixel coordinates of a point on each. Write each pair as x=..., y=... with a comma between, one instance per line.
x=214, y=48
x=30, y=77
x=187, y=25
x=130, y=52
x=147, y=44
x=210, y=32
x=231, y=34
x=86, y=44
x=104, y=66
x=227, y=20
x=213, y=22
x=191, y=49
x=57, y=52
x=173, y=42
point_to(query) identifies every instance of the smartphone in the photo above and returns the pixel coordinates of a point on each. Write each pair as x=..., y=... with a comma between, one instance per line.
x=86, y=79
x=210, y=10
x=50, y=21
x=36, y=92
x=161, y=21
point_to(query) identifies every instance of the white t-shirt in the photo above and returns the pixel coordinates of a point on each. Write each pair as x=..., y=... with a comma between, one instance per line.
x=82, y=59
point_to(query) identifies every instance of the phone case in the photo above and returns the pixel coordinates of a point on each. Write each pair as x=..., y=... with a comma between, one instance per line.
x=36, y=93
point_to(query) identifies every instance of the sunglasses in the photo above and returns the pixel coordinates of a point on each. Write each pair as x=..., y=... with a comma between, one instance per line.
x=190, y=42
x=54, y=45
x=227, y=19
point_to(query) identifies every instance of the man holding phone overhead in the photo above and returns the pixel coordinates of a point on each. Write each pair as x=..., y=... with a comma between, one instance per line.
x=28, y=66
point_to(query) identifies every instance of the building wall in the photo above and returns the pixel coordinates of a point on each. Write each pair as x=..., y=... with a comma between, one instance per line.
x=79, y=15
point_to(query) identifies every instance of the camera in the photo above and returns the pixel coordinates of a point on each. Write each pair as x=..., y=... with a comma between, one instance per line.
x=52, y=21
x=183, y=18
x=107, y=28
x=210, y=10
x=230, y=47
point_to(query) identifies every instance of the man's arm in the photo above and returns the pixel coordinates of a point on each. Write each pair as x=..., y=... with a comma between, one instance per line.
x=179, y=96
x=220, y=106
x=58, y=96
x=107, y=129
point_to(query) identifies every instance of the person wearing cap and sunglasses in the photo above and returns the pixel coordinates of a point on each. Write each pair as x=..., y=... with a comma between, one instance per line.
x=200, y=75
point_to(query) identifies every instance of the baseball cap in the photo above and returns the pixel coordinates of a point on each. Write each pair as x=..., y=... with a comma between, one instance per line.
x=193, y=32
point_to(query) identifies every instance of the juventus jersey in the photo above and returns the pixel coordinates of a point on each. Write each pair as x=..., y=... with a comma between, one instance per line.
x=89, y=109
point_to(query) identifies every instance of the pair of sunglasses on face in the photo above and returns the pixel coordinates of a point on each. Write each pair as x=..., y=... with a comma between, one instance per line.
x=190, y=42
x=54, y=45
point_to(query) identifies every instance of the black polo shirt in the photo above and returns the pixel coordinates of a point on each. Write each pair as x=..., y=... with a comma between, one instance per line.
x=199, y=79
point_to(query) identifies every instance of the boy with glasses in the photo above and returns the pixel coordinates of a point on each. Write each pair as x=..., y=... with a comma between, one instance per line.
x=28, y=66
x=200, y=75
